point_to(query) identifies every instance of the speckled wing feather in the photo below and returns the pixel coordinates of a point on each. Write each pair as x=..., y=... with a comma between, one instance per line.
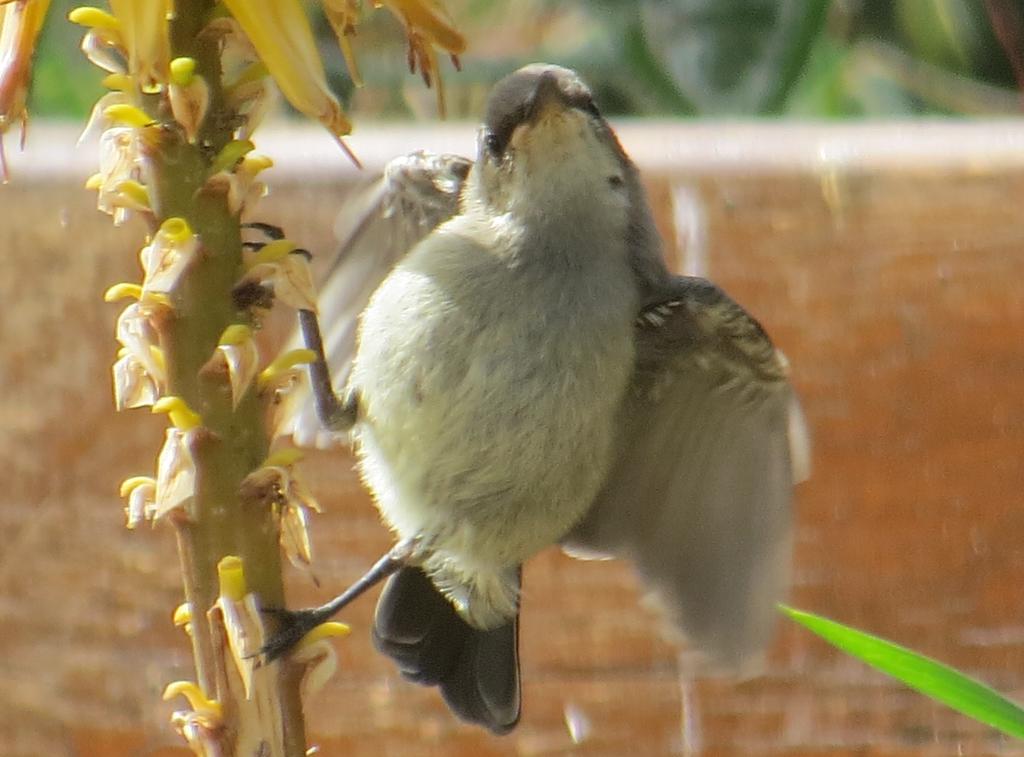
x=377, y=227
x=712, y=441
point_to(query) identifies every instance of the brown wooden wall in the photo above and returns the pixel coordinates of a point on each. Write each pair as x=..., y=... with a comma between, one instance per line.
x=897, y=295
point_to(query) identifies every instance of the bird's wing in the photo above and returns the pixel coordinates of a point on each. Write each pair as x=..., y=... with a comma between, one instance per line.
x=712, y=441
x=377, y=227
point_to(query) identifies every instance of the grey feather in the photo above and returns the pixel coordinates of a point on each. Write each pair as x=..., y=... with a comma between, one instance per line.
x=377, y=227
x=711, y=442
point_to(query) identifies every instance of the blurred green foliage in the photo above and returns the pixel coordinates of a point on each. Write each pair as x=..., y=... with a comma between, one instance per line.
x=808, y=58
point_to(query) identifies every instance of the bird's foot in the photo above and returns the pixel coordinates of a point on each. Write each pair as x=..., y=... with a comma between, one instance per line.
x=292, y=626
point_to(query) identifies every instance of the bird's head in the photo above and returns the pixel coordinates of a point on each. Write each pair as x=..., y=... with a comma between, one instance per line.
x=544, y=148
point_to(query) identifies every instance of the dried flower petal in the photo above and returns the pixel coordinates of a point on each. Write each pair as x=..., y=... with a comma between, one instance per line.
x=104, y=49
x=97, y=121
x=241, y=356
x=295, y=536
x=276, y=483
x=248, y=189
x=428, y=26
x=242, y=619
x=429, y=19
x=119, y=161
x=292, y=280
x=136, y=334
x=201, y=737
x=279, y=264
x=189, y=95
x=175, y=475
x=134, y=386
x=166, y=258
x=139, y=372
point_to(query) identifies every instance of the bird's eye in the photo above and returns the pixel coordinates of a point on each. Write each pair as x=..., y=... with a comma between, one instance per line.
x=492, y=144
x=615, y=181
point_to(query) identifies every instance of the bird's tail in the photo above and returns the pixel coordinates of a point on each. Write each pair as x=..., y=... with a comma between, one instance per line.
x=477, y=671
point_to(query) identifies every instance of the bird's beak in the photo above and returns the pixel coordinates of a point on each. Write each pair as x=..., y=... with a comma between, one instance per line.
x=546, y=97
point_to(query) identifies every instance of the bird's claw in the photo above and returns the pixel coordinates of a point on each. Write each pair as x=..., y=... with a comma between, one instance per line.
x=292, y=625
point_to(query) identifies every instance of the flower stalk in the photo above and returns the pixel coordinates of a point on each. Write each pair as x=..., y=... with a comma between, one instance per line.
x=188, y=83
x=169, y=131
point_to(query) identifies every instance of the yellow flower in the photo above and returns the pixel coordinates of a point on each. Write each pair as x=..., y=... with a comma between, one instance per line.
x=102, y=44
x=176, y=466
x=20, y=22
x=175, y=475
x=317, y=654
x=141, y=494
x=182, y=617
x=234, y=176
x=166, y=258
x=243, y=622
x=144, y=31
x=280, y=32
x=246, y=188
x=197, y=699
x=202, y=725
x=285, y=378
x=180, y=414
x=139, y=372
x=189, y=96
x=238, y=350
x=231, y=154
x=284, y=367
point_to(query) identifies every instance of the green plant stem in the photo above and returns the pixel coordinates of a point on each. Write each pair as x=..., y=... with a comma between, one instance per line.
x=233, y=441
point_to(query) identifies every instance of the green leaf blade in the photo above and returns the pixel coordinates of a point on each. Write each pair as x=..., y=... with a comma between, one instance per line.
x=923, y=674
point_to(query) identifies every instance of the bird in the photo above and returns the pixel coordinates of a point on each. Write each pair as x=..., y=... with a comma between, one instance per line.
x=518, y=368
